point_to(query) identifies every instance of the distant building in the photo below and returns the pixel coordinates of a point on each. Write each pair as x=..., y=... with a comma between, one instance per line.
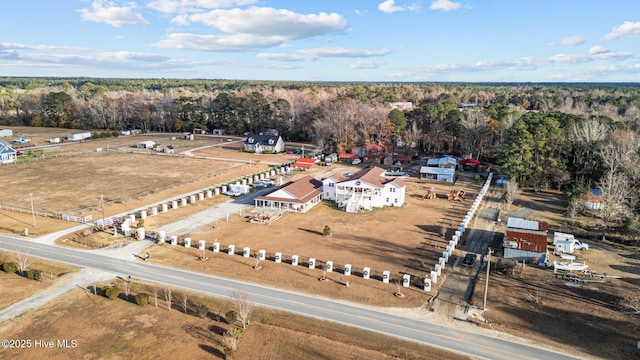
x=79, y=136
x=264, y=143
x=146, y=144
x=7, y=154
x=6, y=132
x=407, y=105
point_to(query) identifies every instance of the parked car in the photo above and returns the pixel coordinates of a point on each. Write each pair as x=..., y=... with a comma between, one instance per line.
x=271, y=182
x=356, y=162
x=19, y=153
x=469, y=259
x=347, y=174
x=571, y=277
x=260, y=184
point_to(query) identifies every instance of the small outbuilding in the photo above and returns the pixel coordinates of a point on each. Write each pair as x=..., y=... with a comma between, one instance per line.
x=6, y=132
x=438, y=173
x=79, y=136
x=146, y=144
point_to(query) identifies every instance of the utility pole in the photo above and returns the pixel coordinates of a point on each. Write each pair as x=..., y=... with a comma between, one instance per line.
x=101, y=205
x=486, y=282
x=33, y=213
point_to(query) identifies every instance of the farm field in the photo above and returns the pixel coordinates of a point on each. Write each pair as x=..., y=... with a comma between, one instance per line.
x=77, y=175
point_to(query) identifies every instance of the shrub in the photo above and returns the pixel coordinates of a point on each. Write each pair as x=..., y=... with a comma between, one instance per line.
x=142, y=299
x=326, y=231
x=202, y=311
x=34, y=275
x=231, y=317
x=9, y=267
x=111, y=291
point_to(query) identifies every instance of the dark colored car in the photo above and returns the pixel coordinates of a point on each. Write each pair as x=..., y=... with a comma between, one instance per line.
x=469, y=259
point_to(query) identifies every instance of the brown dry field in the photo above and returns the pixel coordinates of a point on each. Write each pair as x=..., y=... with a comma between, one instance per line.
x=120, y=329
x=78, y=175
x=14, y=288
x=587, y=318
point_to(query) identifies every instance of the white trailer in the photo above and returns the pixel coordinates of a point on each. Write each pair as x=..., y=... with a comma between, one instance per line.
x=238, y=189
x=79, y=136
x=564, y=247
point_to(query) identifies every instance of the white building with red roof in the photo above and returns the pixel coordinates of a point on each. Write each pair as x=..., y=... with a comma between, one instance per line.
x=364, y=190
x=298, y=196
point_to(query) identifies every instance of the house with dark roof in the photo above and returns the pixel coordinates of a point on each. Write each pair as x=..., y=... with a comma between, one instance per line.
x=7, y=154
x=364, y=190
x=296, y=196
x=264, y=143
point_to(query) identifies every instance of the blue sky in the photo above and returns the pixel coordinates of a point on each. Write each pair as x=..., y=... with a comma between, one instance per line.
x=324, y=40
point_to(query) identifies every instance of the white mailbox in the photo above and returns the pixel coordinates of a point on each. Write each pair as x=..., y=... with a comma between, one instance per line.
x=262, y=254
x=278, y=257
x=347, y=269
x=385, y=276
x=366, y=273
x=427, y=284
x=246, y=252
x=216, y=247
x=187, y=242
x=406, y=280
x=231, y=249
x=312, y=263
x=294, y=260
x=329, y=266
x=201, y=245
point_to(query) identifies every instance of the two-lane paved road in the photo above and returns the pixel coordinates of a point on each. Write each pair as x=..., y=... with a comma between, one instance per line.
x=476, y=345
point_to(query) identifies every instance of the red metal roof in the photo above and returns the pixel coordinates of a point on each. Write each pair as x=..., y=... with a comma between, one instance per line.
x=402, y=158
x=528, y=240
x=305, y=165
x=306, y=160
x=348, y=156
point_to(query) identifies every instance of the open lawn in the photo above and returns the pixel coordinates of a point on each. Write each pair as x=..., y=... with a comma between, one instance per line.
x=403, y=240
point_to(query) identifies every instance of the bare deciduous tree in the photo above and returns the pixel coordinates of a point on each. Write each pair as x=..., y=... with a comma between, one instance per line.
x=185, y=302
x=243, y=307
x=22, y=259
x=167, y=297
x=511, y=192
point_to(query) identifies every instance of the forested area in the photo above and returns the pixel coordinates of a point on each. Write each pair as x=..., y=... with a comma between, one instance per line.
x=572, y=137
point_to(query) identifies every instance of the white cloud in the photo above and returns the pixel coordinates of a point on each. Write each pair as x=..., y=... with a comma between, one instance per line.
x=107, y=12
x=364, y=64
x=251, y=29
x=344, y=52
x=261, y=21
x=598, y=50
x=445, y=5
x=182, y=6
x=236, y=42
x=14, y=46
x=627, y=29
x=390, y=7
x=569, y=41
x=285, y=57
x=599, y=54
x=315, y=54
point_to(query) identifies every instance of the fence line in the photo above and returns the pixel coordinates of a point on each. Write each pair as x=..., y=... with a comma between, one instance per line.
x=21, y=210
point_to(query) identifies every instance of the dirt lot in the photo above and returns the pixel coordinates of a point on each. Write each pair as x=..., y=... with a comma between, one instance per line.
x=154, y=332
x=14, y=288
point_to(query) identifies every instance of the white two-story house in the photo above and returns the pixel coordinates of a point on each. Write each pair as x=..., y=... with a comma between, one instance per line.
x=364, y=190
